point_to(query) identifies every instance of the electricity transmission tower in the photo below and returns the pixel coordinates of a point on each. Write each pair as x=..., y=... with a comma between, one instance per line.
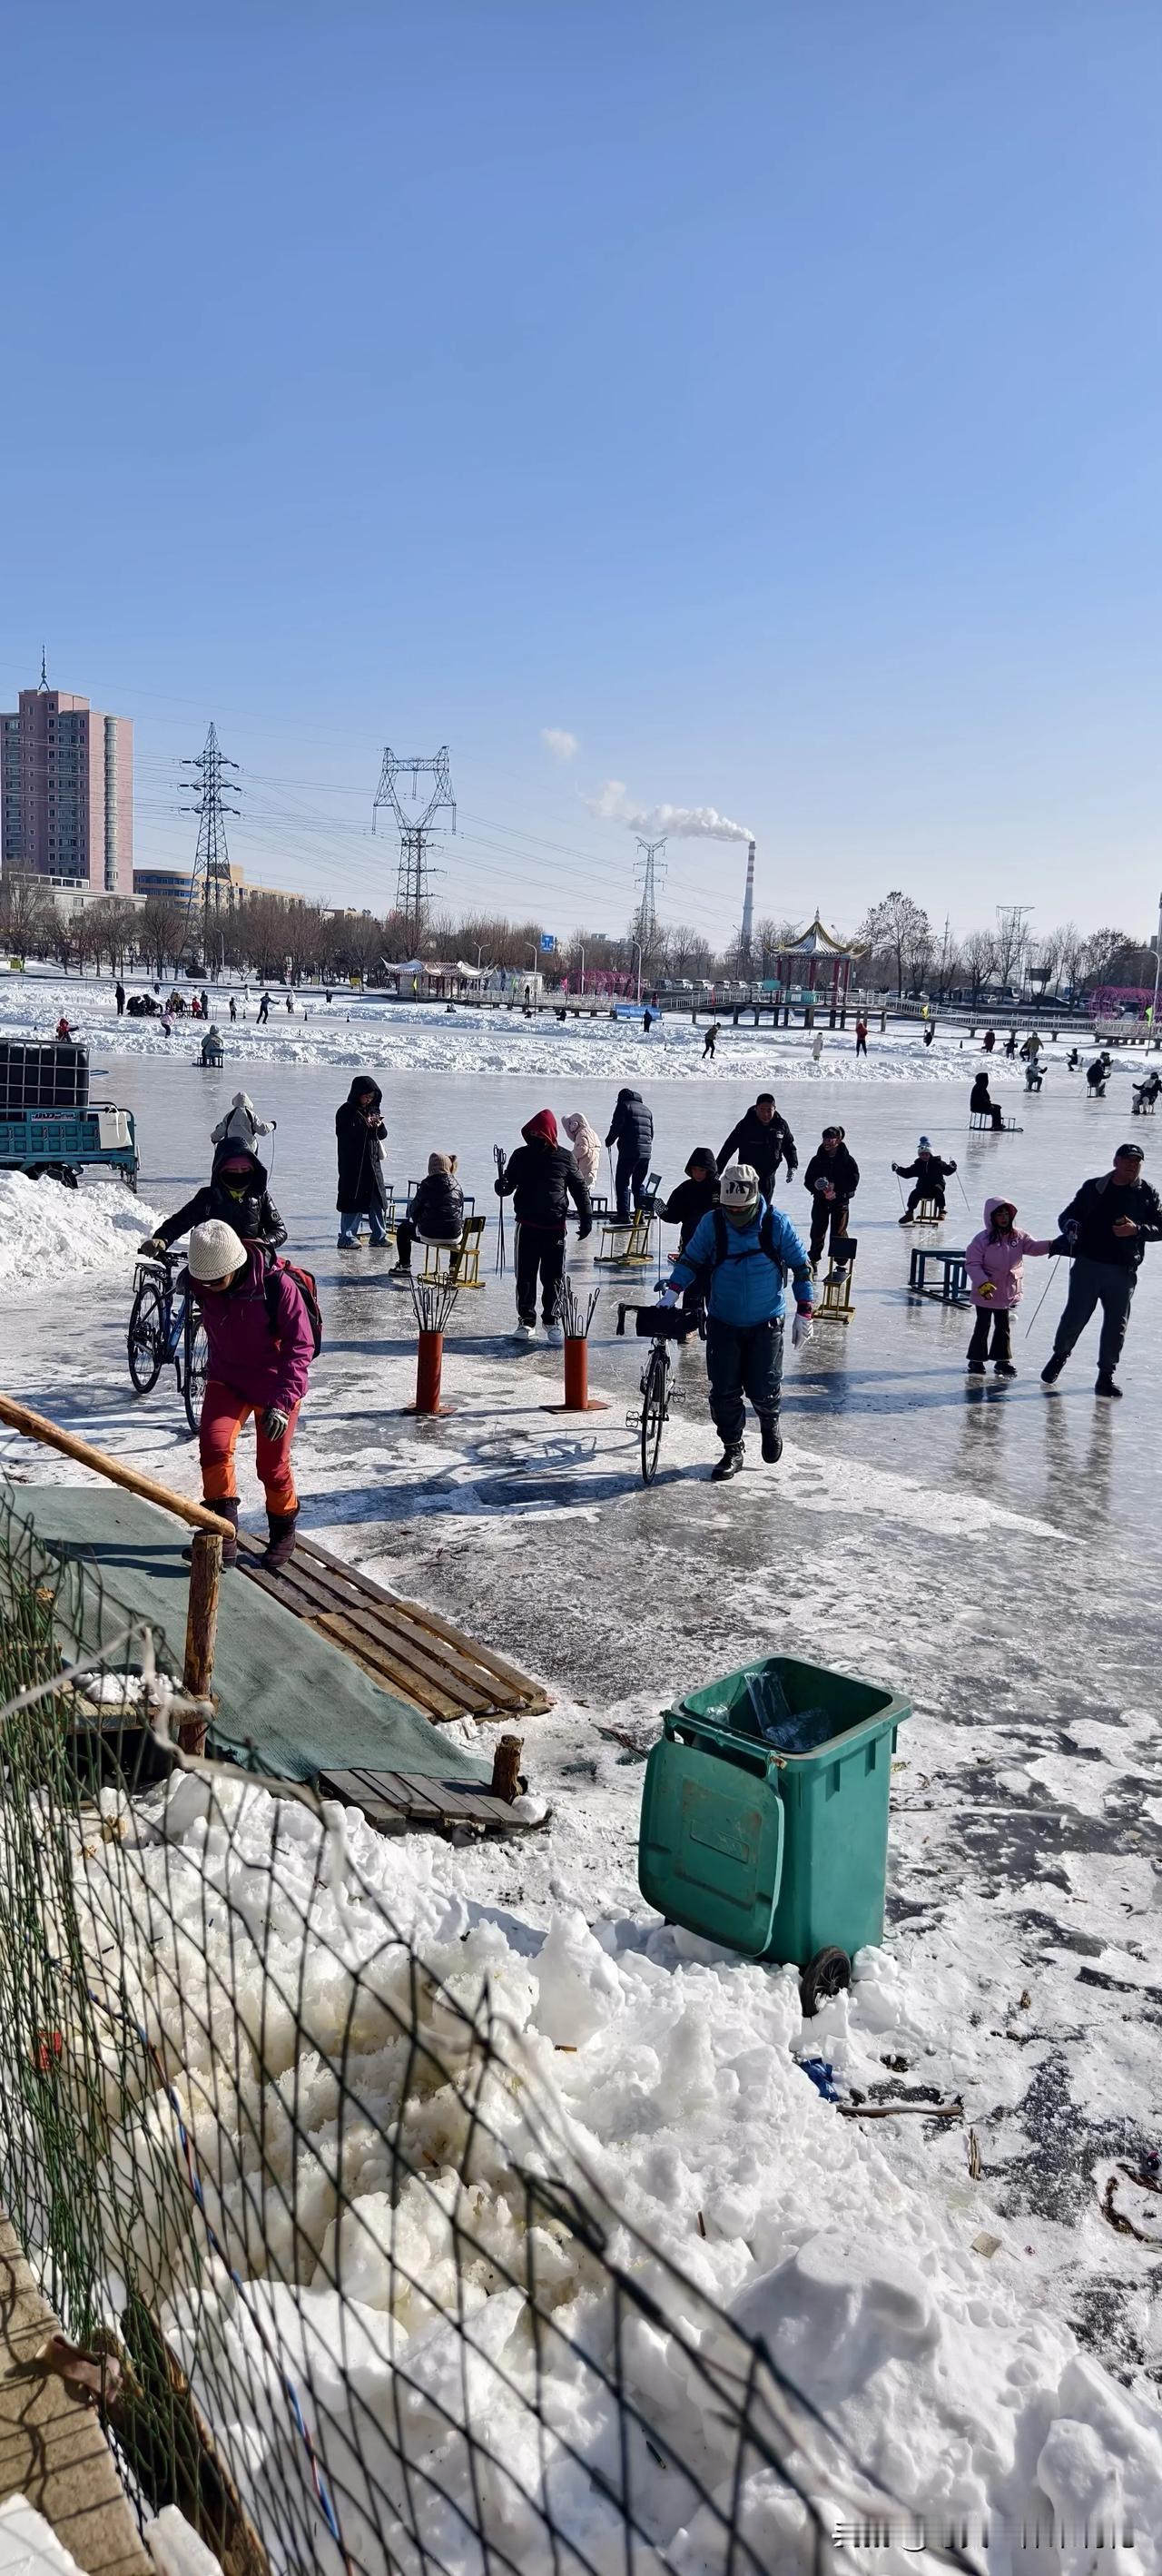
x=210, y=890
x=413, y=882
x=648, y=874
x=1012, y=939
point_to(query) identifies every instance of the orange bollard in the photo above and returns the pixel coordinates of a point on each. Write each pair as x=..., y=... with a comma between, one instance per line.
x=577, y=1395
x=429, y=1372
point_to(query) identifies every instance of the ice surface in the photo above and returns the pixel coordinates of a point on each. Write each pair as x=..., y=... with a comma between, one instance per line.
x=987, y=1555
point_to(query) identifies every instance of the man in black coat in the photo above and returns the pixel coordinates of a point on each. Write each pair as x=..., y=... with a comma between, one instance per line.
x=542, y=1177
x=236, y=1192
x=763, y=1140
x=359, y=1134
x=832, y=1177
x=1107, y=1226
x=929, y=1174
x=632, y=1132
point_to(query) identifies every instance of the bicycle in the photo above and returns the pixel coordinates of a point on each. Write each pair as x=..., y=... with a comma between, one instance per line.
x=659, y=1325
x=164, y=1325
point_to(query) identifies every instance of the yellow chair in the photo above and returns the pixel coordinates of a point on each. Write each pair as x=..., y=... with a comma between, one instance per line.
x=837, y=1298
x=439, y=1257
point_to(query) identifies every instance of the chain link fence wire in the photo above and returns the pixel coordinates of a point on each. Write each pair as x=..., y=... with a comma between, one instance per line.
x=361, y=2304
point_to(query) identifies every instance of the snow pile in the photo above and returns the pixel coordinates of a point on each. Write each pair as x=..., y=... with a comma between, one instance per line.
x=47, y=1232
x=427, y=1037
x=370, y=2166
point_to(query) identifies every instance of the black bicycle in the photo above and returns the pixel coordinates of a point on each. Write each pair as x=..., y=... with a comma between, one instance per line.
x=164, y=1325
x=659, y=1325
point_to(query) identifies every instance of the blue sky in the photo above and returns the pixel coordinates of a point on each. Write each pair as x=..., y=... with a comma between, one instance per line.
x=766, y=396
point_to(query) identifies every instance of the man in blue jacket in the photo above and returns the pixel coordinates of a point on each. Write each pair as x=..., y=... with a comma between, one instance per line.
x=739, y=1256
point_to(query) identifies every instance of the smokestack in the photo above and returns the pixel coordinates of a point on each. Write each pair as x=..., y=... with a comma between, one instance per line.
x=748, y=899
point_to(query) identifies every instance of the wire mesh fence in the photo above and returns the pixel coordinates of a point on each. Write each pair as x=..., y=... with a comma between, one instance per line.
x=314, y=2200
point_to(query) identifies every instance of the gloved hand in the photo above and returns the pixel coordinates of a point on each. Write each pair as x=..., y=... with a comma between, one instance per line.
x=668, y=1297
x=584, y=1230
x=987, y=1288
x=154, y=1243
x=896, y=1167
x=950, y=1167
x=275, y=1422
x=803, y=1328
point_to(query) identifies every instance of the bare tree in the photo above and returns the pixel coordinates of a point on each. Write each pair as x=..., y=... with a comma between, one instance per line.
x=979, y=956
x=900, y=927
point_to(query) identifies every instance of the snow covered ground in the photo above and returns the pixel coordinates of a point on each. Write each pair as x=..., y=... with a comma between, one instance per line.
x=987, y=1554
x=429, y=1038
x=48, y=1233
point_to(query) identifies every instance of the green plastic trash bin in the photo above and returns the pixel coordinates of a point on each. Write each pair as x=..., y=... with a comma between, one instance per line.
x=764, y=1819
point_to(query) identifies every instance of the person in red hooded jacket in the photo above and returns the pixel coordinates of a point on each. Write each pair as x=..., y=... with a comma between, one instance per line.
x=542, y=1177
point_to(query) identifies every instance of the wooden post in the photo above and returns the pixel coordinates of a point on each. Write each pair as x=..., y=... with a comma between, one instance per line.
x=201, y=1632
x=506, y=1768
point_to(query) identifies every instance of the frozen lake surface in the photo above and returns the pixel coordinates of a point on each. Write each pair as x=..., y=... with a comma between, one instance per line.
x=987, y=1551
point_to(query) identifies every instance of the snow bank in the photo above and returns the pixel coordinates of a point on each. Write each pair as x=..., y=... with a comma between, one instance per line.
x=644, y=2073
x=47, y=1232
x=428, y=1038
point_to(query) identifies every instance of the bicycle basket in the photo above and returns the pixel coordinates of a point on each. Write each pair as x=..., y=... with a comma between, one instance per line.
x=664, y=1324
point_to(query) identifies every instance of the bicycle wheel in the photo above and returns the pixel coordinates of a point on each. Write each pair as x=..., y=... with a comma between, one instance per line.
x=195, y=1364
x=653, y=1411
x=145, y=1340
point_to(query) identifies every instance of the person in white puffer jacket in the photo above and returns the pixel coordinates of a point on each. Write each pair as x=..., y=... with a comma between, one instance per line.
x=241, y=1124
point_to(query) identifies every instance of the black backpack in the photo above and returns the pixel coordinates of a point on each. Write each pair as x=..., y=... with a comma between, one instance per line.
x=308, y=1290
x=766, y=1243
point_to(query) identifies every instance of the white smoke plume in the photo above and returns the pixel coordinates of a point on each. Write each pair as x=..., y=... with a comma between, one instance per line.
x=680, y=822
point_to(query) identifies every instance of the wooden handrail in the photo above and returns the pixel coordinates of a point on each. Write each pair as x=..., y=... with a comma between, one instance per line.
x=35, y=1426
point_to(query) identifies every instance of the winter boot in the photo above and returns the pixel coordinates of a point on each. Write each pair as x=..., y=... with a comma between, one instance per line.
x=772, y=1440
x=282, y=1539
x=400, y=1276
x=1004, y=1368
x=554, y=1334
x=1052, y=1369
x=976, y=1368
x=905, y=1219
x=226, y=1512
x=525, y=1332
x=729, y=1465
x=1107, y=1384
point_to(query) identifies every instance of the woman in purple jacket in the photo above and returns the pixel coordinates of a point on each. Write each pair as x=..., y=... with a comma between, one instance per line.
x=261, y=1348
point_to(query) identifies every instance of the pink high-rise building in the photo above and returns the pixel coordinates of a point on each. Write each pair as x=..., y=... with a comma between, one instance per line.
x=66, y=793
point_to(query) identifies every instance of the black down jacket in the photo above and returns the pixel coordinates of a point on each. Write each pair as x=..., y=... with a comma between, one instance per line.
x=361, y=1184
x=250, y=1210
x=632, y=1130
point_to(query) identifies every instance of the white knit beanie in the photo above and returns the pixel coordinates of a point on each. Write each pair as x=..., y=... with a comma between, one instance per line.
x=215, y=1250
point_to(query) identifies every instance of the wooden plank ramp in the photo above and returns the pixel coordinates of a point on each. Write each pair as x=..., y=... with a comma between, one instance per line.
x=404, y=1646
x=396, y=1802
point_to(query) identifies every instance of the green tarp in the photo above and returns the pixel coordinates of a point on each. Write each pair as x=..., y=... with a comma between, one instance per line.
x=299, y=1703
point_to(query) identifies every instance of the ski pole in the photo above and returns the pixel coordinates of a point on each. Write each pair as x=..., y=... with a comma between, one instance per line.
x=499, y=1158
x=1042, y=1298
x=963, y=1192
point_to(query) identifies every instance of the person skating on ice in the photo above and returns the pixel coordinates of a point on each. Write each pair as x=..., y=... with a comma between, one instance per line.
x=994, y=1261
x=928, y=1175
x=981, y=1103
x=542, y=1177
x=632, y=1131
x=763, y=1139
x=1107, y=1226
x=832, y=1178
x=736, y=1259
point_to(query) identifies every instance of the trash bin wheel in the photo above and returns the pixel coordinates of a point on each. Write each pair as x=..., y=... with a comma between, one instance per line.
x=824, y=1975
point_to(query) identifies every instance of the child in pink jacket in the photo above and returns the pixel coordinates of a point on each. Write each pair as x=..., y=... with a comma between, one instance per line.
x=994, y=1261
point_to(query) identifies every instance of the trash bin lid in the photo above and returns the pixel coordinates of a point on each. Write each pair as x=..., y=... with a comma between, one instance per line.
x=710, y=1849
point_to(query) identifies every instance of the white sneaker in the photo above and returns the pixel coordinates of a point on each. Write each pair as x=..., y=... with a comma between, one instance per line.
x=525, y=1333
x=554, y=1334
